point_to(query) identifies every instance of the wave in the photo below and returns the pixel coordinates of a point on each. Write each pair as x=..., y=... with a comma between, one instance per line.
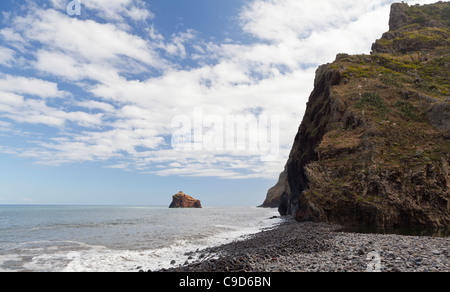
x=127, y=254
x=107, y=260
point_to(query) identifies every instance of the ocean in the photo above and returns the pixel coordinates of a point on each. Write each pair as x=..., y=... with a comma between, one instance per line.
x=117, y=238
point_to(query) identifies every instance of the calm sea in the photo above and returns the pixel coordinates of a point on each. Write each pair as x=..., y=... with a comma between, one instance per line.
x=98, y=238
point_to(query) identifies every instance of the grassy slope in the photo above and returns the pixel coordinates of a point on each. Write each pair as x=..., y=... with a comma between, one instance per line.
x=391, y=153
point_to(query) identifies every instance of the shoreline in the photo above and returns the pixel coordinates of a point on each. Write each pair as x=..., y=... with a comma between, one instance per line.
x=321, y=247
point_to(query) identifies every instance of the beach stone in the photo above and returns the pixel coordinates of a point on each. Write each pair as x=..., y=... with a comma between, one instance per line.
x=318, y=247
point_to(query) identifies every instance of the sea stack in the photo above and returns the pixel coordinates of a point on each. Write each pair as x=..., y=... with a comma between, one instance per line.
x=181, y=200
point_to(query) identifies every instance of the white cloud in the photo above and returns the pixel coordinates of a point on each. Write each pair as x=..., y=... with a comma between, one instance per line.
x=86, y=41
x=10, y=36
x=176, y=46
x=35, y=110
x=8, y=99
x=92, y=104
x=69, y=67
x=17, y=108
x=283, y=20
x=31, y=86
x=6, y=56
x=117, y=9
x=13, y=39
x=5, y=127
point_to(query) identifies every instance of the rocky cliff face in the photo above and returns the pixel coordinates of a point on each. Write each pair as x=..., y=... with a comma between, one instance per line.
x=181, y=200
x=373, y=147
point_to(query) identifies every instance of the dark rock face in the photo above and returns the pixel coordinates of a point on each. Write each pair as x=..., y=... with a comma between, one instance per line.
x=398, y=17
x=310, y=134
x=439, y=116
x=414, y=29
x=181, y=200
x=275, y=193
x=373, y=148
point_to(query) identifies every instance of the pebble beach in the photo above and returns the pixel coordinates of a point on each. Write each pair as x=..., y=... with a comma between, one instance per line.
x=319, y=247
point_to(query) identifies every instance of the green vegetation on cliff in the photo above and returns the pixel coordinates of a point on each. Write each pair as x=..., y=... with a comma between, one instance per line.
x=374, y=148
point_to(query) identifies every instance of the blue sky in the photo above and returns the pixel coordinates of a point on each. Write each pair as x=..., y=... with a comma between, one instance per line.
x=90, y=104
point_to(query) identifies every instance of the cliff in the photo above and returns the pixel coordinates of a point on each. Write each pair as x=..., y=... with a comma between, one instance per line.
x=181, y=200
x=373, y=148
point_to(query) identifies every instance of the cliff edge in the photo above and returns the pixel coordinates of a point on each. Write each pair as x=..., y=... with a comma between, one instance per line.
x=373, y=148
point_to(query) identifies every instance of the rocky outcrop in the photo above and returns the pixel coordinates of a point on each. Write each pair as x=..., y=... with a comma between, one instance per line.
x=439, y=116
x=398, y=17
x=275, y=194
x=414, y=29
x=181, y=200
x=373, y=147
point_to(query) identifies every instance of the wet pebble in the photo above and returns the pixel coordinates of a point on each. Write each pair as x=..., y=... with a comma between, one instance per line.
x=319, y=247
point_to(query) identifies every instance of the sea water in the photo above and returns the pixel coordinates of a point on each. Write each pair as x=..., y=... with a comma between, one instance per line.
x=113, y=238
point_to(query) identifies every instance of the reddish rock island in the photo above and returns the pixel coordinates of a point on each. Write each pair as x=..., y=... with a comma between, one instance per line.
x=181, y=200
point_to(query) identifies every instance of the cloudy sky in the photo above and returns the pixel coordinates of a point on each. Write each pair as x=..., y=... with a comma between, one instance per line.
x=90, y=103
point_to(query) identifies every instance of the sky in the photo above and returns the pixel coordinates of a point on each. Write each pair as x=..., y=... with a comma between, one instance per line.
x=127, y=102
